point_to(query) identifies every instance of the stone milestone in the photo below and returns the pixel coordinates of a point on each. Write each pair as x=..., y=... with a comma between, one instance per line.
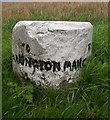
x=50, y=52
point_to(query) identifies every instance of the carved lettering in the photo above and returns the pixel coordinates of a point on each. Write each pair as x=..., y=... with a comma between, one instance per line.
x=21, y=59
x=27, y=48
x=48, y=65
x=28, y=62
x=42, y=65
x=79, y=63
x=74, y=65
x=56, y=66
x=83, y=62
x=67, y=64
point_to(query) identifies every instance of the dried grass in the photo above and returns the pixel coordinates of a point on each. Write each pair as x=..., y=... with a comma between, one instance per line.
x=9, y=10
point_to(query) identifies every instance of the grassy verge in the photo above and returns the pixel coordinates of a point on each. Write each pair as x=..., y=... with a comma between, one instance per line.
x=89, y=98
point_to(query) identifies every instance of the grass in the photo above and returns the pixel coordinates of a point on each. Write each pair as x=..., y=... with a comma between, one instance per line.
x=88, y=99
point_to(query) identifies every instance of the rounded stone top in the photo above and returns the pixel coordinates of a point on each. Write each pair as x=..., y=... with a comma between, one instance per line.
x=55, y=25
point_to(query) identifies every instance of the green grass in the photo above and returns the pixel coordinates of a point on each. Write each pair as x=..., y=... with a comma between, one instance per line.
x=88, y=99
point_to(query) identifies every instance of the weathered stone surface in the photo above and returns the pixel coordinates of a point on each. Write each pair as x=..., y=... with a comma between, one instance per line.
x=50, y=52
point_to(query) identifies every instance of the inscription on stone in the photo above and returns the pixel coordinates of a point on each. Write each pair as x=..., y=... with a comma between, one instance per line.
x=47, y=65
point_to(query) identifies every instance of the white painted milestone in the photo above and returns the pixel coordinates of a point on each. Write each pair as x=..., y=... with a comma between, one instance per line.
x=50, y=52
